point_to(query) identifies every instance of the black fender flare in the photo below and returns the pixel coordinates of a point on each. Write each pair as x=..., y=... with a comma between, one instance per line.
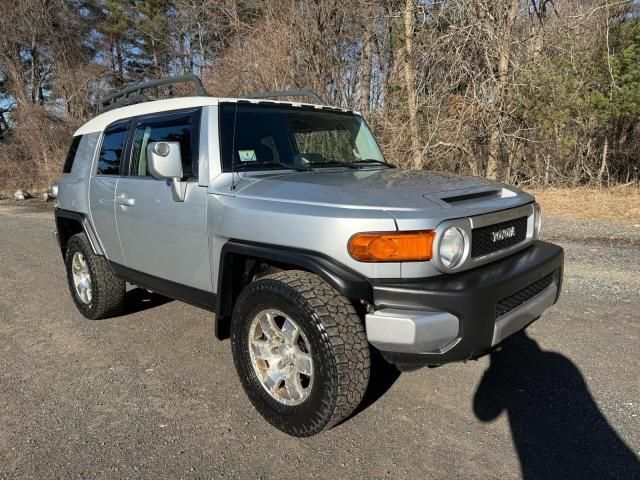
x=352, y=285
x=83, y=220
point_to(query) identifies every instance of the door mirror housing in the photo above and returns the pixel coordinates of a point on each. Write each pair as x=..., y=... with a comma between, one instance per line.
x=165, y=163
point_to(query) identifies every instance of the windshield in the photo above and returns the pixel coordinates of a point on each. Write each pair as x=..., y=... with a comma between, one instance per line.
x=262, y=136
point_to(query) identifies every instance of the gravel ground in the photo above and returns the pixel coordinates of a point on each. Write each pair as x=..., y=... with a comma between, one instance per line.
x=152, y=394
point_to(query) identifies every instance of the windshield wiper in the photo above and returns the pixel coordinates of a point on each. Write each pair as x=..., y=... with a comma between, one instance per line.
x=270, y=164
x=334, y=163
x=379, y=162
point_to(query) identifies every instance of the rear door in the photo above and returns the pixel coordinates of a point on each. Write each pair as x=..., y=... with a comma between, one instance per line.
x=102, y=187
x=161, y=237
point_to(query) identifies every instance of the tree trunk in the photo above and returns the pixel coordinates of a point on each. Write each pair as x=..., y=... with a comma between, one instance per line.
x=119, y=60
x=503, y=38
x=603, y=165
x=493, y=153
x=4, y=126
x=154, y=56
x=537, y=44
x=35, y=87
x=513, y=151
x=537, y=27
x=410, y=81
x=365, y=76
x=547, y=167
x=45, y=159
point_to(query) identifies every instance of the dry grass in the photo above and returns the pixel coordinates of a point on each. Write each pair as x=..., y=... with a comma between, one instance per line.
x=617, y=203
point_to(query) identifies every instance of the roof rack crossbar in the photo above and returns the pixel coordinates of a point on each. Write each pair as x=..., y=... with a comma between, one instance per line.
x=133, y=94
x=288, y=93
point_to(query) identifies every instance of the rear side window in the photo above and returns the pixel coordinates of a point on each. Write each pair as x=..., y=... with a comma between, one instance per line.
x=180, y=127
x=112, y=149
x=71, y=154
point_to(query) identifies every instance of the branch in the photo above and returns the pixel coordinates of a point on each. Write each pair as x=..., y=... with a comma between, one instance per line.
x=607, y=6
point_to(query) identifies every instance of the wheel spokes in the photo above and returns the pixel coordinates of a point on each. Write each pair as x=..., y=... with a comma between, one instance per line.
x=303, y=363
x=75, y=265
x=268, y=325
x=273, y=379
x=261, y=349
x=294, y=387
x=281, y=357
x=290, y=332
x=81, y=277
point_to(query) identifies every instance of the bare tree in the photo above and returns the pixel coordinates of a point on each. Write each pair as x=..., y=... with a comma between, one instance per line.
x=409, y=75
x=530, y=91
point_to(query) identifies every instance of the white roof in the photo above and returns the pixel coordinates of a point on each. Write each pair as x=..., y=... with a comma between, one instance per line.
x=99, y=123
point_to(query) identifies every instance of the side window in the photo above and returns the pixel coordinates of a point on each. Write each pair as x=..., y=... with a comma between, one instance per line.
x=181, y=127
x=250, y=133
x=112, y=148
x=71, y=155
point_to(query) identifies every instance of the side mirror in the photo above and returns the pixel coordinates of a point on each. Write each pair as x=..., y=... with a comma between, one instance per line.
x=165, y=163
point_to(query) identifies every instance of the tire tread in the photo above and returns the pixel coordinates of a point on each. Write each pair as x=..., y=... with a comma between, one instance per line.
x=108, y=294
x=344, y=334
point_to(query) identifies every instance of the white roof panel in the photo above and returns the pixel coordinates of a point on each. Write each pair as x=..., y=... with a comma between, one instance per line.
x=99, y=123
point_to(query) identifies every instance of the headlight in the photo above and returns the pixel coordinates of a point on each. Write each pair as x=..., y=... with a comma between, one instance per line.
x=451, y=247
x=537, y=221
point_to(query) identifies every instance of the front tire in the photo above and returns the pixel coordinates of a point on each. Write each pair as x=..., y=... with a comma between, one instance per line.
x=301, y=352
x=96, y=290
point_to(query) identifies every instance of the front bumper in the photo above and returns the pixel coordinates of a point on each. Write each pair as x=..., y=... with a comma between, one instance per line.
x=463, y=316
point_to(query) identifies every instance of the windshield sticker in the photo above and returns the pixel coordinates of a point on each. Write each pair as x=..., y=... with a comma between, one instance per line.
x=247, y=155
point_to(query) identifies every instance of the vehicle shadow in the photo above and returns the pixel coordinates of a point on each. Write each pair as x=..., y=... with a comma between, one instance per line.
x=139, y=299
x=557, y=428
x=381, y=378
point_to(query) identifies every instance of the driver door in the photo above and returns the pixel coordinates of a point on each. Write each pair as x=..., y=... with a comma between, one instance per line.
x=160, y=237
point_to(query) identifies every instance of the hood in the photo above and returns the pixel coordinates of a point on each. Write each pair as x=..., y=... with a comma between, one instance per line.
x=381, y=189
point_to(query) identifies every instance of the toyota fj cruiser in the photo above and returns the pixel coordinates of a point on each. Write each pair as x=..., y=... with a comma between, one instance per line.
x=286, y=221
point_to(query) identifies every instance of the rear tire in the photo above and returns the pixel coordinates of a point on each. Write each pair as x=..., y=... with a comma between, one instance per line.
x=328, y=330
x=98, y=293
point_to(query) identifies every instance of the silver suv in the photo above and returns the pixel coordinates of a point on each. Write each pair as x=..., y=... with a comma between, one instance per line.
x=313, y=252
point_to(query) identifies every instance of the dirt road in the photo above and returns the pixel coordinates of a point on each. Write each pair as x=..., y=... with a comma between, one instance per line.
x=153, y=395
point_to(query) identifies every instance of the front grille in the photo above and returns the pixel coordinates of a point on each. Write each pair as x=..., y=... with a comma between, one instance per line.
x=483, y=241
x=505, y=305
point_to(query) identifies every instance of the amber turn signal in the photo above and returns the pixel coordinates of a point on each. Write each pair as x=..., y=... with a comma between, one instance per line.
x=392, y=247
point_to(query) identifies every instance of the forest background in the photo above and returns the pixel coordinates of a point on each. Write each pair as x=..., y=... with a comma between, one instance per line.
x=538, y=93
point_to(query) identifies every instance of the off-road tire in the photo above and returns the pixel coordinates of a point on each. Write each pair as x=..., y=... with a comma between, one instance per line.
x=339, y=350
x=108, y=291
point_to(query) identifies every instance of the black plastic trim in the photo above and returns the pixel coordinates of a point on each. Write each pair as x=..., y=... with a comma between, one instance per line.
x=288, y=93
x=472, y=297
x=471, y=196
x=349, y=283
x=134, y=94
x=71, y=154
x=76, y=216
x=177, y=291
x=61, y=212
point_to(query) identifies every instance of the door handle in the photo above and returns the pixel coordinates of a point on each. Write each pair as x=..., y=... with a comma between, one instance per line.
x=125, y=201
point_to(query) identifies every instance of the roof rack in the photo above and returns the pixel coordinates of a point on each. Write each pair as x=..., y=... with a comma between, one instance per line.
x=288, y=93
x=133, y=94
